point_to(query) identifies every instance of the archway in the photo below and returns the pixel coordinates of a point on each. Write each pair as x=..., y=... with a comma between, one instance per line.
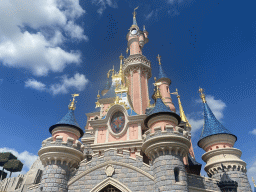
x=110, y=184
x=110, y=188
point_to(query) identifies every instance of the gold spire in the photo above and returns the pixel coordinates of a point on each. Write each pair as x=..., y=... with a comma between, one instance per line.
x=72, y=105
x=253, y=182
x=159, y=59
x=134, y=13
x=182, y=113
x=202, y=95
x=98, y=103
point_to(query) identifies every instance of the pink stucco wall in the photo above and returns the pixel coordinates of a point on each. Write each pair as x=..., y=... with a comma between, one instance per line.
x=166, y=95
x=133, y=131
x=136, y=92
x=113, y=139
x=132, y=154
x=144, y=95
x=162, y=124
x=101, y=138
x=218, y=146
x=65, y=136
x=134, y=47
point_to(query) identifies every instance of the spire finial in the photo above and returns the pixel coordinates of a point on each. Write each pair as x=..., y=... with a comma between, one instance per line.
x=144, y=29
x=159, y=59
x=182, y=113
x=72, y=105
x=202, y=95
x=134, y=13
x=98, y=96
x=253, y=182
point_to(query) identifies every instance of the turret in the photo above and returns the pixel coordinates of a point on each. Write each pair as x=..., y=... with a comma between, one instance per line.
x=166, y=144
x=62, y=152
x=136, y=68
x=164, y=85
x=220, y=154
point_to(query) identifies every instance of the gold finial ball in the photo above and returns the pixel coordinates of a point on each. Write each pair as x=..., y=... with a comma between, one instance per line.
x=201, y=90
x=121, y=57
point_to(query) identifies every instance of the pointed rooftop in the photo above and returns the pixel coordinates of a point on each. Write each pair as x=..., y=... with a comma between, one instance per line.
x=162, y=76
x=134, y=23
x=69, y=119
x=160, y=107
x=182, y=113
x=211, y=125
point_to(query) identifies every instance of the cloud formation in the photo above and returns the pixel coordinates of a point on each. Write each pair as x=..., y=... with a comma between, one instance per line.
x=253, y=132
x=78, y=82
x=32, y=32
x=25, y=157
x=103, y=5
x=196, y=119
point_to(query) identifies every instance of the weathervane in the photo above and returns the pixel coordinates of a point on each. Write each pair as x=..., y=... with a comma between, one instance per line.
x=72, y=105
x=134, y=13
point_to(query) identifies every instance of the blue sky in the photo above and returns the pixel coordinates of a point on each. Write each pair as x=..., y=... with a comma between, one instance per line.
x=51, y=49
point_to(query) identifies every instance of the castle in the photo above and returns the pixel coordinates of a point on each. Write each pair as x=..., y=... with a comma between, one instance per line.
x=131, y=145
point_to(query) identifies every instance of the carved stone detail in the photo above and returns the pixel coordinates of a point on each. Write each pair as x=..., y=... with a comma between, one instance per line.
x=109, y=170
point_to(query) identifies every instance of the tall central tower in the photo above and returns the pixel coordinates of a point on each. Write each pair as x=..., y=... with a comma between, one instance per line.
x=137, y=68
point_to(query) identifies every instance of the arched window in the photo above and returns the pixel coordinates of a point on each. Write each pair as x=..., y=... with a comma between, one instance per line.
x=176, y=174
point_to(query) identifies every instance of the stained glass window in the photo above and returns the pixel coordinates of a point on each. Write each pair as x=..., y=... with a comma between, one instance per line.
x=117, y=122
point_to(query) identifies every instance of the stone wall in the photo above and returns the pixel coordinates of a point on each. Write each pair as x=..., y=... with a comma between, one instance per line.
x=199, y=183
x=129, y=174
x=239, y=176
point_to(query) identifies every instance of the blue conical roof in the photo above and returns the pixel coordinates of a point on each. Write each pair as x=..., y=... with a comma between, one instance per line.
x=68, y=119
x=159, y=108
x=162, y=75
x=211, y=125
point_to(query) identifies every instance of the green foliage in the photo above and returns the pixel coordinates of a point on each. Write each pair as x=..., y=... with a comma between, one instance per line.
x=5, y=156
x=13, y=165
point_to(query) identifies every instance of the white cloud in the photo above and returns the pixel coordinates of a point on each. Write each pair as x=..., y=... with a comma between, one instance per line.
x=31, y=34
x=253, y=132
x=25, y=157
x=78, y=82
x=75, y=31
x=103, y=5
x=149, y=15
x=196, y=119
x=34, y=84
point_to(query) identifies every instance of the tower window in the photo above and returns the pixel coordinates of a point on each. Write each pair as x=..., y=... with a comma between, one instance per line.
x=176, y=174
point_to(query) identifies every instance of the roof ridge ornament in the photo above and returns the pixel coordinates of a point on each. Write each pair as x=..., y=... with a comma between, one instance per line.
x=72, y=104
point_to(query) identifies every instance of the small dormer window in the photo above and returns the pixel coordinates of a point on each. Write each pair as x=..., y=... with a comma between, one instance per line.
x=133, y=31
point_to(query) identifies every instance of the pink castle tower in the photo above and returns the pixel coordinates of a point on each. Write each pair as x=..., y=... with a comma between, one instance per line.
x=164, y=83
x=137, y=68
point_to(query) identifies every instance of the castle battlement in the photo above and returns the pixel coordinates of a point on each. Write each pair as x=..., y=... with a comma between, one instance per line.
x=58, y=141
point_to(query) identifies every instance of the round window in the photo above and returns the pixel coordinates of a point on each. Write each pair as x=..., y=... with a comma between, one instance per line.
x=117, y=122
